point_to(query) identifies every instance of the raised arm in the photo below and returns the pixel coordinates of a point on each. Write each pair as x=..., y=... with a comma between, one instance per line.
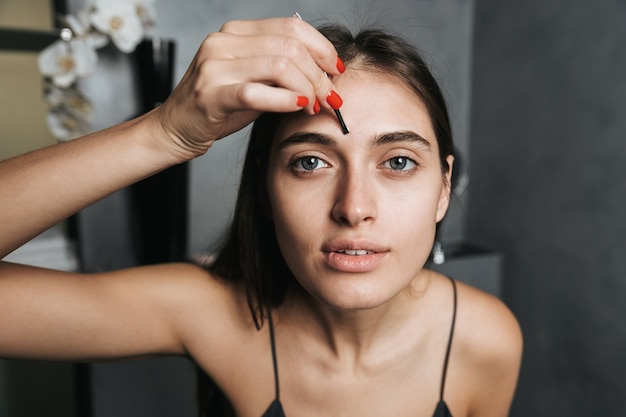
x=41, y=188
x=247, y=68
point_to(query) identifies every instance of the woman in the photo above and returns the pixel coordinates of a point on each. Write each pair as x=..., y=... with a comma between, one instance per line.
x=327, y=249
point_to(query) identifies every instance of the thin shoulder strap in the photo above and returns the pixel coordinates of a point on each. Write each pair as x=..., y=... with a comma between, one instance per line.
x=445, y=364
x=274, y=361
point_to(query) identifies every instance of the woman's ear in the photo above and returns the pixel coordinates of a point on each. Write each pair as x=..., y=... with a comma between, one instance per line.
x=446, y=189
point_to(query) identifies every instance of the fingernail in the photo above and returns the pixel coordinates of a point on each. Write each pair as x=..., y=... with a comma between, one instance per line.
x=333, y=100
x=341, y=67
x=316, y=106
x=302, y=101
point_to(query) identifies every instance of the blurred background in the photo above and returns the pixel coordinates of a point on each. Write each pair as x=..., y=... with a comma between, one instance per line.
x=537, y=94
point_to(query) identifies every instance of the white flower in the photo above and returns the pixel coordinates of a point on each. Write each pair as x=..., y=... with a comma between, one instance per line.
x=53, y=94
x=65, y=61
x=68, y=99
x=146, y=11
x=80, y=24
x=120, y=21
x=65, y=126
x=73, y=57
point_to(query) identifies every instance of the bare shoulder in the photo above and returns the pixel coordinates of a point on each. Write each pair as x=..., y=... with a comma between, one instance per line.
x=488, y=341
x=199, y=307
x=190, y=289
x=212, y=319
x=486, y=324
x=209, y=313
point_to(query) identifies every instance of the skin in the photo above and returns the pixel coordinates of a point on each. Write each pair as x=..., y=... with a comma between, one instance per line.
x=358, y=338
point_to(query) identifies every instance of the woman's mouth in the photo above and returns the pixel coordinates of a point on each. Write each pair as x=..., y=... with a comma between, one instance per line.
x=355, y=252
x=354, y=256
x=354, y=260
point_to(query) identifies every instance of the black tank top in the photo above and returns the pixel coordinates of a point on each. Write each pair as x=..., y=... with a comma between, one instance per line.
x=276, y=409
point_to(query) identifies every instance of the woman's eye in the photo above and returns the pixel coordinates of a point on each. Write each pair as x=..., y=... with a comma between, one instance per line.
x=309, y=163
x=400, y=163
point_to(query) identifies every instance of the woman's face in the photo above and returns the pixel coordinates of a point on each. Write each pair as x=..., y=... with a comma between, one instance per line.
x=355, y=214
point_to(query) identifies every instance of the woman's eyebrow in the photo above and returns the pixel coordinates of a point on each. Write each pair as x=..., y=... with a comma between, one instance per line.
x=402, y=136
x=316, y=138
x=382, y=139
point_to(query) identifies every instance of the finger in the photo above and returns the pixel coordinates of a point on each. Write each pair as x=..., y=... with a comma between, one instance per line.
x=276, y=71
x=259, y=97
x=228, y=46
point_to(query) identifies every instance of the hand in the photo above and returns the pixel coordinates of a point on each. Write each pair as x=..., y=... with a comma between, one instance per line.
x=248, y=67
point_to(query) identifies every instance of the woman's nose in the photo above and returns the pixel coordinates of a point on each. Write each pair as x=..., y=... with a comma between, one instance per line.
x=355, y=200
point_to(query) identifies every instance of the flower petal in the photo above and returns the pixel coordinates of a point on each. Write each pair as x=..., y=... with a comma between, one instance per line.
x=109, y=16
x=85, y=57
x=64, y=79
x=97, y=39
x=49, y=58
x=128, y=35
x=78, y=27
x=120, y=21
x=146, y=11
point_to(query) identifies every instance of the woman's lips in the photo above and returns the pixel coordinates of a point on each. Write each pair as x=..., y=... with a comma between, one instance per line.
x=353, y=256
x=347, y=262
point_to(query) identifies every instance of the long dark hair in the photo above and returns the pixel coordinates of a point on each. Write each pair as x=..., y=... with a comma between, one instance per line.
x=250, y=256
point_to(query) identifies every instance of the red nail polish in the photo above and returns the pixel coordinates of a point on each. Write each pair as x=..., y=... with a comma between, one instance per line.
x=316, y=106
x=341, y=67
x=333, y=100
x=302, y=101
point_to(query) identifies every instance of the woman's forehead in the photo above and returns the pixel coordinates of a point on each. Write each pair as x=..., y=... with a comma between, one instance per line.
x=373, y=104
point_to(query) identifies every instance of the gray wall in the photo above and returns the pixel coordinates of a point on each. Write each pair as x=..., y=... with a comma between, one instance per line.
x=548, y=188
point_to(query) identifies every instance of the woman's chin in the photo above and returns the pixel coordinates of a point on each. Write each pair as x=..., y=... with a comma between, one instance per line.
x=348, y=298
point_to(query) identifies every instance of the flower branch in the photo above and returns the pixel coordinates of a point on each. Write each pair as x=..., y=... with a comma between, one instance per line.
x=74, y=56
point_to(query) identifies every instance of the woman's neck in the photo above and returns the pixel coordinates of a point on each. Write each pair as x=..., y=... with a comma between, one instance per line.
x=353, y=335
